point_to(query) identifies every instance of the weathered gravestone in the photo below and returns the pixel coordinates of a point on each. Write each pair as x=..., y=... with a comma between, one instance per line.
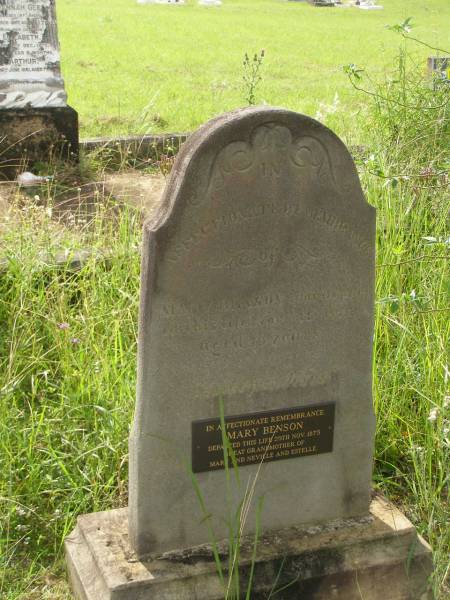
x=257, y=292
x=257, y=295
x=34, y=117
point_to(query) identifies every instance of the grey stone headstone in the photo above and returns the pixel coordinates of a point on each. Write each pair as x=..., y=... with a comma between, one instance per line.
x=257, y=292
x=29, y=55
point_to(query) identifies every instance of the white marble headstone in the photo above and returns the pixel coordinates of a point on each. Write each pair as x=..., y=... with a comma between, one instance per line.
x=30, y=73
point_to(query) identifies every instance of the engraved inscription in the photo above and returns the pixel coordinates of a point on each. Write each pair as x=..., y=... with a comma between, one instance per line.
x=302, y=380
x=250, y=257
x=335, y=224
x=29, y=55
x=263, y=437
x=260, y=195
x=262, y=301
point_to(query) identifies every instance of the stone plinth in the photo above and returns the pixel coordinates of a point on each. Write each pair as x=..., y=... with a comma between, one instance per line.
x=29, y=135
x=376, y=557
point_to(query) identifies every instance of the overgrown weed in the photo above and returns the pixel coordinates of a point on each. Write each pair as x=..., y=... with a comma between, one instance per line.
x=405, y=176
x=252, y=68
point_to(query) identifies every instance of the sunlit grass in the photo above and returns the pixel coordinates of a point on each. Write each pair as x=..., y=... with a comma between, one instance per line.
x=133, y=68
x=68, y=345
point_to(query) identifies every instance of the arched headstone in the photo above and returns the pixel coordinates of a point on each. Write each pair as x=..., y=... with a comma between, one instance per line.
x=257, y=292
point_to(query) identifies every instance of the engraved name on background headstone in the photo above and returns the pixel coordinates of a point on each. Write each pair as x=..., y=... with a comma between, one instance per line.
x=257, y=292
x=29, y=55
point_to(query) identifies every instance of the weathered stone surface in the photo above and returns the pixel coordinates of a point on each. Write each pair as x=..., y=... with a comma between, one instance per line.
x=376, y=557
x=257, y=291
x=29, y=135
x=30, y=73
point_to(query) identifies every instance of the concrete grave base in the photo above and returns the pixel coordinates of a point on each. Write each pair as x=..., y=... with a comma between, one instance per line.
x=377, y=557
x=31, y=135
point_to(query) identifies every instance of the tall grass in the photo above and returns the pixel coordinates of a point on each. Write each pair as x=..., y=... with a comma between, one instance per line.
x=236, y=519
x=68, y=354
x=68, y=361
x=406, y=177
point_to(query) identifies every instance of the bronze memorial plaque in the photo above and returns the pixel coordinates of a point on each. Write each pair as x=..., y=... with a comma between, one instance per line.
x=264, y=436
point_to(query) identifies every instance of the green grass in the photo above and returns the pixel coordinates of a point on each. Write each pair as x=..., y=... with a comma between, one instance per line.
x=68, y=345
x=133, y=68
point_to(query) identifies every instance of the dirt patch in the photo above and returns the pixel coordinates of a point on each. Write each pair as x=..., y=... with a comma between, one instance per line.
x=140, y=190
x=81, y=200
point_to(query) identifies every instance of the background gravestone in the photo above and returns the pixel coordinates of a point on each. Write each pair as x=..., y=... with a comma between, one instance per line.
x=439, y=69
x=257, y=291
x=34, y=117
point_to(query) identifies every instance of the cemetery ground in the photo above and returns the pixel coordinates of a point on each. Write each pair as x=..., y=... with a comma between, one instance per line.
x=132, y=68
x=68, y=332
